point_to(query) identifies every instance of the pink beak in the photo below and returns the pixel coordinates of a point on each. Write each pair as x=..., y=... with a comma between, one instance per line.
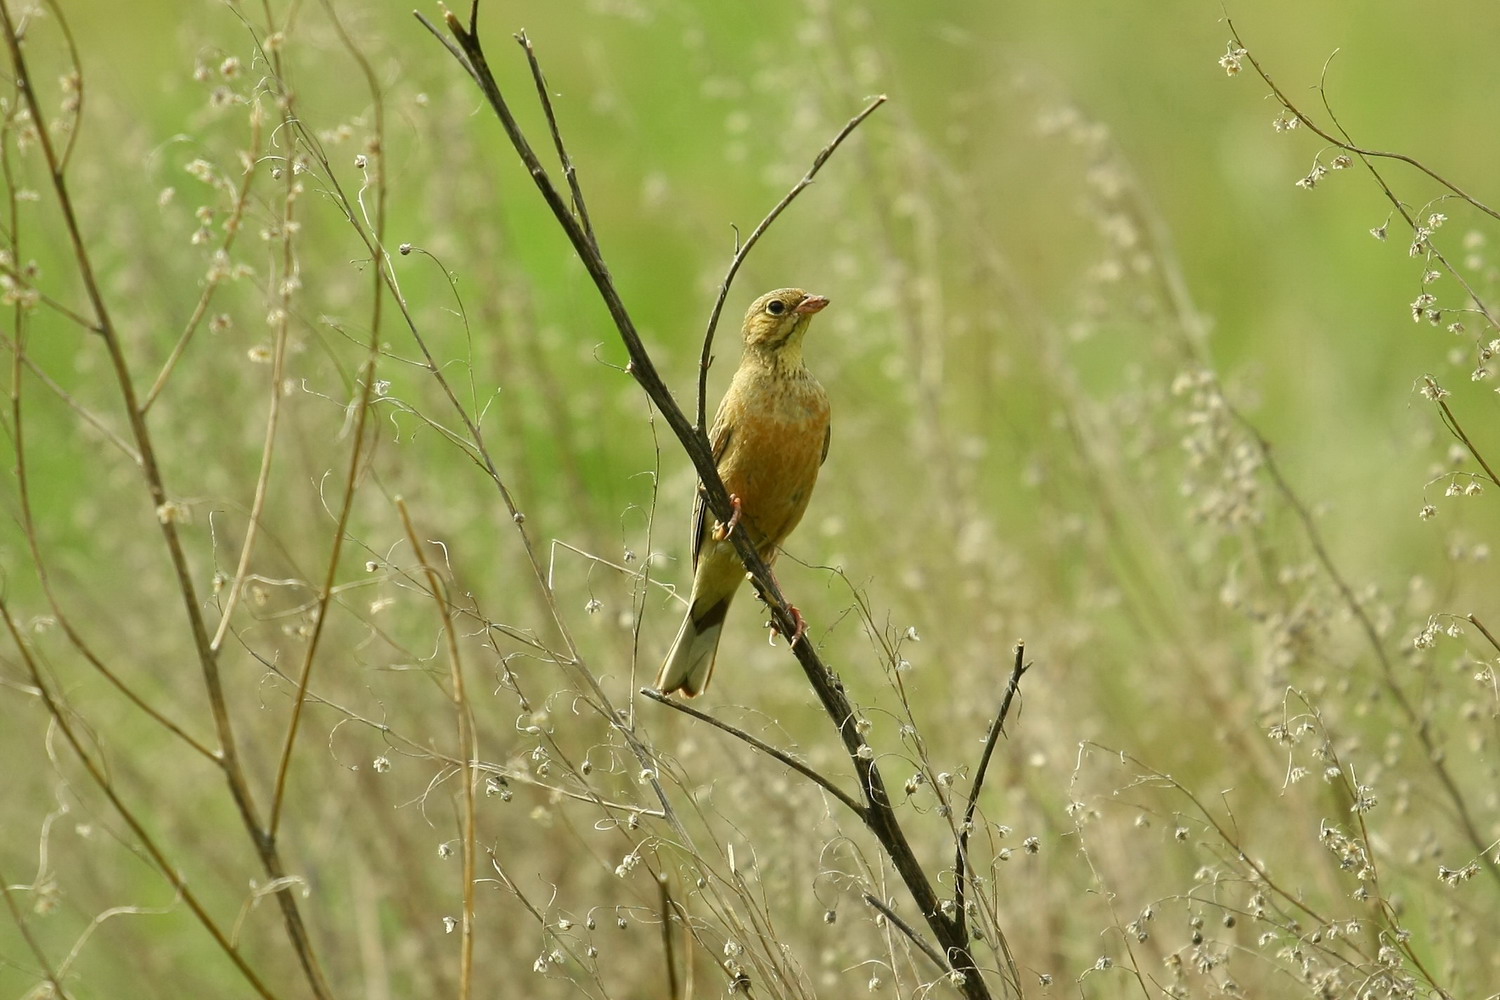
x=811, y=304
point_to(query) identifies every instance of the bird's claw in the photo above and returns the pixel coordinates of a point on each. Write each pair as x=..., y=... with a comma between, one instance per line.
x=799, y=631
x=722, y=530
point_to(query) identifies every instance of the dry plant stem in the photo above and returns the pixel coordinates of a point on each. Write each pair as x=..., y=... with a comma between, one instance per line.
x=960, y=861
x=1451, y=422
x=23, y=486
x=32, y=945
x=68, y=400
x=880, y=817
x=911, y=932
x=469, y=747
x=232, y=227
x=742, y=250
x=273, y=410
x=357, y=452
x=62, y=718
x=227, y=755
x=669, y=952
x=20, y=278
x=1419, y=724
x=1365, y=156
x=568, y=659
x=1350, y=147
x=1472, y=620
x=549, y=930
x=796, y=765
x=1293, y=897
x=569, y=172
x=73, y=60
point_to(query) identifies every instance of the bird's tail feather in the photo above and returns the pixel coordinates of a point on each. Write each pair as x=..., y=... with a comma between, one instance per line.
x=691, y=662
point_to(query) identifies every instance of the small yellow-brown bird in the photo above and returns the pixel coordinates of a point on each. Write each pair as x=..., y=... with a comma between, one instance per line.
x=769, y=439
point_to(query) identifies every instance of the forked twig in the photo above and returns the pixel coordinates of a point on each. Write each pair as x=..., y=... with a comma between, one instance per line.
x=796, y=765
x=960, y=863
x=911, y=932
x=1344, y=143
x=879, y=815
x=742, y=250
x=227, y=755
x=569, y=171
x=1366, y=157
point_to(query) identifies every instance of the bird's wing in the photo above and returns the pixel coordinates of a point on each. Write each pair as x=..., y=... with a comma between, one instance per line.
x=718, y=439
x=827, y=440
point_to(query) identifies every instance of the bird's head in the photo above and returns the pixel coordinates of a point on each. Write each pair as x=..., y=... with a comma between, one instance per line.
x=778, y=320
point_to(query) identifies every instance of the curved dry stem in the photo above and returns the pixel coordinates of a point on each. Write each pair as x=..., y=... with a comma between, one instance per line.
x=742, y=250
x=1344, y=143
x=820, y=780
x=1347, y=144
x=38, y=954
x=101, y=780
x=469, y=747
x=357, y=452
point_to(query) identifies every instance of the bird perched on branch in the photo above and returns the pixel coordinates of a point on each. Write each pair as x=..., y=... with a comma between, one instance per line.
x=769, y=439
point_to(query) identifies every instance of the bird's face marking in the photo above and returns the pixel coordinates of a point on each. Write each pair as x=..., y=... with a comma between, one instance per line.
x=776, y=316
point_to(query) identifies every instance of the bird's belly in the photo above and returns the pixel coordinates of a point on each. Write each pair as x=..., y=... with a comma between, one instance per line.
x=774, y=465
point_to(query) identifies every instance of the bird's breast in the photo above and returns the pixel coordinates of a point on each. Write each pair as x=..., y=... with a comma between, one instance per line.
x=773, y=458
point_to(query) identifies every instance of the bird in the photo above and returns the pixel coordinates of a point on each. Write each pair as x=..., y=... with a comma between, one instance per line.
x=770, y=437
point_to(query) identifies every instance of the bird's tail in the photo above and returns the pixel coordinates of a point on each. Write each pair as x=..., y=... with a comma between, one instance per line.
x=691, y=662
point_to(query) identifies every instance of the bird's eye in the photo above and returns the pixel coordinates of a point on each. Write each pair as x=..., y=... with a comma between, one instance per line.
x=776, y=307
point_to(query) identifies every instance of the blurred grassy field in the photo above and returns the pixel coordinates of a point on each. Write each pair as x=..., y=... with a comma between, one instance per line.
x=1103, y=380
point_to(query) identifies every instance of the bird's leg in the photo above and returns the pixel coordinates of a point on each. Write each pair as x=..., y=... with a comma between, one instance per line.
x=723, y=531
x=801, y=629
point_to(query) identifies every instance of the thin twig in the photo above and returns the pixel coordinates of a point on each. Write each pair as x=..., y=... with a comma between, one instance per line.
x=796, y=765
x=880, y=817
x=742, y=250
x=1472, y=620
x=905, y=928
x=669, y=953
x=33, y=945
x=996, y=728
x=468, y=747
x=18, y=275
x=1349, y=146
x=278, y=374
x=1366, y=156
x=62, y=718
x=1451, y=422
x=76, y=62
x=1419, y=724
x=227, y=755
x=358, y=450
x=569, y=171
x=232, y=226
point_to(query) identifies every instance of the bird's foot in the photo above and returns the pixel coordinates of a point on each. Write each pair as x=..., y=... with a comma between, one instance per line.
x=799, y=631
x=722, y=530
